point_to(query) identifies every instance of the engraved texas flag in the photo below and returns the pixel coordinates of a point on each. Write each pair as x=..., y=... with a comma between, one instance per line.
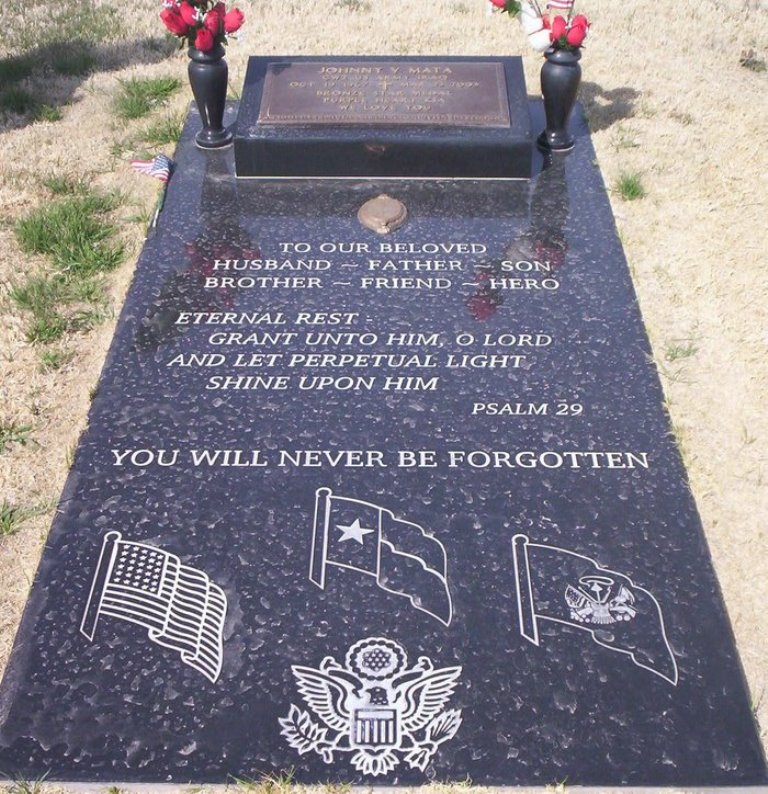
x=401, y=556
x=560, y=586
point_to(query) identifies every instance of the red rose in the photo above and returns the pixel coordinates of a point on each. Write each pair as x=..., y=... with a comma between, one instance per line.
x=558, y=28
x=188, y=13
x=173, y=21
x=579, y=21
x=213, y=21
x=233, y=20
x=576, y=35
x=204, y=40
x=545, y=21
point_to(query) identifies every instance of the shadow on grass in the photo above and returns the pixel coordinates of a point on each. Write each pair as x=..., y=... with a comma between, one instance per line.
x=36, y=84
x=604, y=108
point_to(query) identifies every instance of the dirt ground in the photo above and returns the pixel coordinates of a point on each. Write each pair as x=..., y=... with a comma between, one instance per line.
x=667, y=98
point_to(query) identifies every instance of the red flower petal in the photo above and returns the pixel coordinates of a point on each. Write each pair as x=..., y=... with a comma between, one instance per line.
x=576, y=35
x=213, y=21
x=558, y=28
x=173, y=21
x=188, y=13
x=204, y=40
x=233, y=20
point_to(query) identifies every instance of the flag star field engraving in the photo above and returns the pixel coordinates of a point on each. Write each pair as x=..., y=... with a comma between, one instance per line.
x=379, y=509
x=179, y=606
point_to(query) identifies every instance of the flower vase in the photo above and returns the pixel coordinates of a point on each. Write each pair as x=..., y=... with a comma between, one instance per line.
x=208, y=73
x=560, y=78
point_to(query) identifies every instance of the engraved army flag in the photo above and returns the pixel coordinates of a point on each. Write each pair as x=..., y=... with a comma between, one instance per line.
x=180, y=606
x=401, y=556
x=561, y=586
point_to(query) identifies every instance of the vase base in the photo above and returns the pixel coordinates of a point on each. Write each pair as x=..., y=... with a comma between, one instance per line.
x=213, y=139
x=555, y=142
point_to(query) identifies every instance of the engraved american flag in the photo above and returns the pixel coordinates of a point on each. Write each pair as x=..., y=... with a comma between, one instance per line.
x=180, y=606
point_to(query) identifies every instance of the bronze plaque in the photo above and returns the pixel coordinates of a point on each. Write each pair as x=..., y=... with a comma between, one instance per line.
x=385, y=92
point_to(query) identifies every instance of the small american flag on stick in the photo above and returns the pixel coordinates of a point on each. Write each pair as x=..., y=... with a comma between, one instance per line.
x=160, y=167
x=180, y=606
x=561, y=5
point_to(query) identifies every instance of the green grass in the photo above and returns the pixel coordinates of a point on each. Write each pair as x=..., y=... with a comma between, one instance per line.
x=71, y=60
x=64, y=185
x=52, y=360
x=163, y=131
x=11, y=518
x=23, y=786
x=78, y=23
x=48, y=113
x=63, y=39
x=46, y=327
x=59, y=304
x=137, y=97
x=85, y=319
x=269, y=784
x=678, y=350
x=630, y=186
x=38, y=292
x=14, y=69
x=76, y=232
x=17, y=100
x=13, y=433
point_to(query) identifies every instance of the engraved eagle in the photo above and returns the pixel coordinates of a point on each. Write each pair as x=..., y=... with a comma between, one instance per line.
x=374, y=706
x=600, y=600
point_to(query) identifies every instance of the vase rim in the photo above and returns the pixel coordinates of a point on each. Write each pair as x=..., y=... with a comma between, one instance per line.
x=556, y=53
x=214, y=54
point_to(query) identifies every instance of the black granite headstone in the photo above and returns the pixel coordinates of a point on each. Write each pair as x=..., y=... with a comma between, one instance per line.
x=382, y=509
x=312, y=116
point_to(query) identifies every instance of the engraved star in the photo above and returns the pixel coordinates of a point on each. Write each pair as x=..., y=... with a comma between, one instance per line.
x=353, y=531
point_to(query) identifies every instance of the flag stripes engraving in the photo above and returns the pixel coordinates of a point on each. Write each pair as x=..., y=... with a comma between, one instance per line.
x=375, y=728
x=365, y=537
x=179, y=606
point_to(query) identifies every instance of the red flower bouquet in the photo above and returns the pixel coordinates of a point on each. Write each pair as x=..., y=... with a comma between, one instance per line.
x=201, y=24
x=545, y=32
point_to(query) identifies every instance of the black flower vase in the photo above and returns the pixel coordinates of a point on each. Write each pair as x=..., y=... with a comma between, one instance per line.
x=208, y=77
x=560, y=78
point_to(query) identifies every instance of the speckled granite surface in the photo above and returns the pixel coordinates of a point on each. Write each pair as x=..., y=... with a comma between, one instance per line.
x=354, y=617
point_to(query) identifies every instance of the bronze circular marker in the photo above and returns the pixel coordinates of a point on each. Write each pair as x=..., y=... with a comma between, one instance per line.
x=382, y=214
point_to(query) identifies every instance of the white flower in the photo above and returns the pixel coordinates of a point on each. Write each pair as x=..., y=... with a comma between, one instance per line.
x=539, y=41
x=530, y=21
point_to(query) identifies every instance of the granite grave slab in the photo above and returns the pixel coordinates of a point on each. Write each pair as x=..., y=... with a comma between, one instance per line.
x=312, y=116
x=379, y=509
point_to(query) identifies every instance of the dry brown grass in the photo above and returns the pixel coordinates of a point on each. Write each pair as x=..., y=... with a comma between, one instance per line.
x=686, y=115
